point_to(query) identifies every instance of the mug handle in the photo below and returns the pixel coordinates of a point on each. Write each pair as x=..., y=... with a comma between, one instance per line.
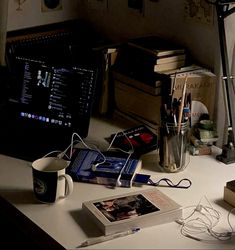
x=68, y=184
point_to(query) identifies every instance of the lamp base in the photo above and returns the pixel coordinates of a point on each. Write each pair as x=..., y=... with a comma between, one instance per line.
x=228, y=155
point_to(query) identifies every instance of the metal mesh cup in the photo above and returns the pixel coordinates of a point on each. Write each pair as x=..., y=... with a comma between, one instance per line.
x=173, y=149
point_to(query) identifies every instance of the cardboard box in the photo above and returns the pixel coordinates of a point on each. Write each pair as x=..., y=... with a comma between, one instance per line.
x=229, y=196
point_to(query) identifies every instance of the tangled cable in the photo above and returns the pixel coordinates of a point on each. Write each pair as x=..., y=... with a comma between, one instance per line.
x=202, y=220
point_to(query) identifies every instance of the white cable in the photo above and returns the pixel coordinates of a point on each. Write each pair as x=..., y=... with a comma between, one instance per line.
x=63, y=153
x=111, y=143
x=202, y=220
x=118, y=182
x=228, y=219
x=130, y=152
x=72, y=141
x=52, y=152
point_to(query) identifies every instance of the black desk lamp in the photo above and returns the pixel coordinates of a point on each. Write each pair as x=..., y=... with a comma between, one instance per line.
x=224, y=9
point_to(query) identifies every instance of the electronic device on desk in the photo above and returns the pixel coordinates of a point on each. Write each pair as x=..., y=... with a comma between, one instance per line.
x=50, y=90
x=110, y=168
x=45, y=104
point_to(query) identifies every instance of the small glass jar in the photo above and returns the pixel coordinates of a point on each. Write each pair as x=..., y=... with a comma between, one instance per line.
x=173, y=150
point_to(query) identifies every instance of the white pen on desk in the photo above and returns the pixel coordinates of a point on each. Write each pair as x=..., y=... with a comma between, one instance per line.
x=104, y=238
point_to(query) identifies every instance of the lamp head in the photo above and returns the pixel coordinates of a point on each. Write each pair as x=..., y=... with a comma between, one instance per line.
x=222, y=2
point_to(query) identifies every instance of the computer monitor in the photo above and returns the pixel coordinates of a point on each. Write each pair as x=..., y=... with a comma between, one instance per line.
x=45, y=103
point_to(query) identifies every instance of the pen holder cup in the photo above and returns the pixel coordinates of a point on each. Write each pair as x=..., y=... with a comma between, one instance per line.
x=173, y=151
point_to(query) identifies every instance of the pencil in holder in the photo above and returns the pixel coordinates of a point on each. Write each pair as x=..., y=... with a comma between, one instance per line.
x=173, y=150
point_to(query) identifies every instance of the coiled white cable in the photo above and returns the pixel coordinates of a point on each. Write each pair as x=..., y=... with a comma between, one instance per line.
x=202, y=220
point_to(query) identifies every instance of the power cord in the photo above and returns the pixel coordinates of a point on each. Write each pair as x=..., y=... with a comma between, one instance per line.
x=61, y=154
x=183, y=183
x=130, y=152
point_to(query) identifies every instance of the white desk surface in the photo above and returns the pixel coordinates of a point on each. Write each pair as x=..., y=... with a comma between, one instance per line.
x=65, y=222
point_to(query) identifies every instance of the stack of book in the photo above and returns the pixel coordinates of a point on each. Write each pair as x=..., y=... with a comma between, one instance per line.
x=140, y=91
x=162, y=54
x=137, y=105
x=139, y=87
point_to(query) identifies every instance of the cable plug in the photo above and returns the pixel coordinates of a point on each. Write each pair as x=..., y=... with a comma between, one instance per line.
x=199, y=208
x=60, y=155
x=227, y=234
x=180, y=221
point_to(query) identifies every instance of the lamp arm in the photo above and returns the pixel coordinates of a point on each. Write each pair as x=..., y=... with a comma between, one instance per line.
x=225, y=66
x=228, y=150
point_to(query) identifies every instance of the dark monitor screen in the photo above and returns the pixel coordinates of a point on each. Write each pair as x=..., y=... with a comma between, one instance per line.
x=46, y=103
x=58, y=96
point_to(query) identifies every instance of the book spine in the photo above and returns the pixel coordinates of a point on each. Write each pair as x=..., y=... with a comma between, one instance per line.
x=112, y=181
x=138, y=84
x=168, y=59
x=152, y=83
x=168, y=66
x=126, y=96
x=107, y=181
x=136, y=64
